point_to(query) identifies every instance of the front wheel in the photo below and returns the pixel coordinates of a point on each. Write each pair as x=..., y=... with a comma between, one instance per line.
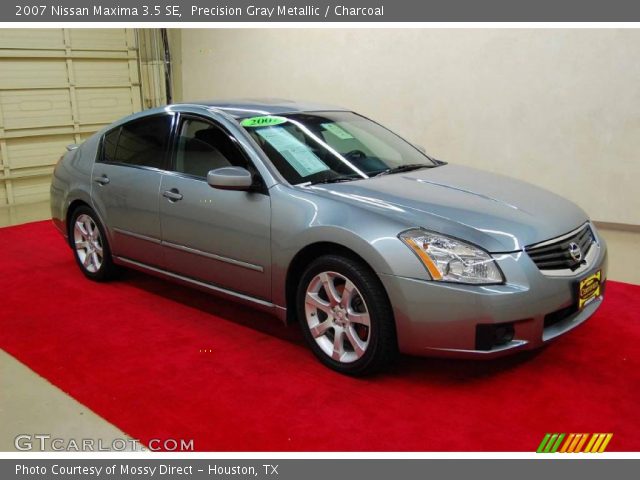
x=90, y=245
x=345, y=316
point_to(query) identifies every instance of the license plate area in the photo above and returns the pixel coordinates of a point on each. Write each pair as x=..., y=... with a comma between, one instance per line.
x=589, y=288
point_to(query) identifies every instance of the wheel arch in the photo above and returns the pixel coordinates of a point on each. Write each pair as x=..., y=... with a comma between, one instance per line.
x=304, y=257
x=73, y=206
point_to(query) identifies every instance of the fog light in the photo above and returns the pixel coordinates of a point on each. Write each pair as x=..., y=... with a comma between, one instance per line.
x=503, y=334
x=493, y=335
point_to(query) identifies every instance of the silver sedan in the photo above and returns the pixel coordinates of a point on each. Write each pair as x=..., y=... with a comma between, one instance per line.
x=322, y=216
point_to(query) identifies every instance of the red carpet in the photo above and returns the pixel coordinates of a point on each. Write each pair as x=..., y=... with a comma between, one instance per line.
x=130, y=351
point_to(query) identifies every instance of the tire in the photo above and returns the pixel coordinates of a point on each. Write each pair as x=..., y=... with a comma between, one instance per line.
x=90, y=245
x=335, y=327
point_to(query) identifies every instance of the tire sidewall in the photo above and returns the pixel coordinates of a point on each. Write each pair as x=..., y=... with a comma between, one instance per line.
x=102, y=272
x=344, y=267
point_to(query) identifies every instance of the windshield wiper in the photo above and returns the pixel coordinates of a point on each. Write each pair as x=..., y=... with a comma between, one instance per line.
x=404, y=168
x=342, y=178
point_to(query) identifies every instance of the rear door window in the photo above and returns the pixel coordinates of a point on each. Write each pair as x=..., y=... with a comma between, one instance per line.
x=109, y=145
x=141, y=143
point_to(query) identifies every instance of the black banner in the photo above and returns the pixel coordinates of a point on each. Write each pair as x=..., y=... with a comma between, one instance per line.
x=319, y=11
x=245, y=469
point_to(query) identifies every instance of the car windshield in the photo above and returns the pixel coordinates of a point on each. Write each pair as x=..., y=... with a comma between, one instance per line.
x=323, y=147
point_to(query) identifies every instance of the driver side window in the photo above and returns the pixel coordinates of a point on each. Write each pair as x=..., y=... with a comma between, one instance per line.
x=203, y=146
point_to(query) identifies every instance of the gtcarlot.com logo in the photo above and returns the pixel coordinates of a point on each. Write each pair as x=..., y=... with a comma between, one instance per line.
x=574, y=443
x=45, y=442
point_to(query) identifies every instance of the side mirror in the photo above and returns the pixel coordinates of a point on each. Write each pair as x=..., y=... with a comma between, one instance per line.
x=230, y=178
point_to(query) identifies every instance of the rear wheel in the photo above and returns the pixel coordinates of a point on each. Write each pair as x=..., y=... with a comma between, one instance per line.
x=345, y=316
x=90, y=245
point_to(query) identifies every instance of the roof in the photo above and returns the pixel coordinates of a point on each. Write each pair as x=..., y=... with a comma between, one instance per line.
x=248, y=107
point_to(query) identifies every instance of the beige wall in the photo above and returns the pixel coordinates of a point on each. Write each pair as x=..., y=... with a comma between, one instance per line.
x=175, y=45
x=557, y=107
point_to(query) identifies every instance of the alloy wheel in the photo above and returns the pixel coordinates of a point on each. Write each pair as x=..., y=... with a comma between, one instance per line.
x=337, y=317
x=88, y=243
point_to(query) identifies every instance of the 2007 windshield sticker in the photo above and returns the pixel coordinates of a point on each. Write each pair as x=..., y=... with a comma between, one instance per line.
x=266, y=121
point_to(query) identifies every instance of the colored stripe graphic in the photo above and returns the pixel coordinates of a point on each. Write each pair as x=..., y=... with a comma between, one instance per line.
x=557, y=444
x=567, y=442
x=543, y=443
x=607, y=439
x=578, y=437
x=582, y=442
x=590, y=444
x=553, y=443
x=598, y=442
x=547, y=449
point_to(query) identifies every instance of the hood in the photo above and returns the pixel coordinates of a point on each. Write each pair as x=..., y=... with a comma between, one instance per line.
x=499, y=213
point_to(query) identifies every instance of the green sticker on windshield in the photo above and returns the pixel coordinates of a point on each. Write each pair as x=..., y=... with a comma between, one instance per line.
x=267, y=121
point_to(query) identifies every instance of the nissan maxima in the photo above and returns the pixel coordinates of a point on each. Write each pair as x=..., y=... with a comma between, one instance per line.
x=326, y=218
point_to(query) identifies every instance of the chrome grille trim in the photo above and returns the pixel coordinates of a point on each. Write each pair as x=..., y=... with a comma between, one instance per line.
x=553, y=255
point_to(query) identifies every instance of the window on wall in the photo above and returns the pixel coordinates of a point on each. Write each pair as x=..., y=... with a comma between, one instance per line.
x=202, y=146
x=139, y=143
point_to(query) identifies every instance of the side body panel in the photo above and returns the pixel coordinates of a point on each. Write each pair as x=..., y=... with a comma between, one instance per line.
x=126, y=195
x=217, y=236
x=128, y=204
x=71, y=181
x=301, y=218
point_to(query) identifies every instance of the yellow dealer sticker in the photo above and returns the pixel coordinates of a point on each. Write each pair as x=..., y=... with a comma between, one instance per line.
x=589, y=289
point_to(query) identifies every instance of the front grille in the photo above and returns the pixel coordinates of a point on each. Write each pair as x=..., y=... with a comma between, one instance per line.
x=557, y=255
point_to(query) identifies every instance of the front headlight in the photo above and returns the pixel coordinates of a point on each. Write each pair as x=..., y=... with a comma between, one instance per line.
x=451, y=260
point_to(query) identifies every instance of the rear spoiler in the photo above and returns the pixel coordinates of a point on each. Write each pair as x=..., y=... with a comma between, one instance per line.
x=72, y=146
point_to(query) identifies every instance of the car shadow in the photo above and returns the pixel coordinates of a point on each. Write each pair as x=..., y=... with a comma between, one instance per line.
x=426, y=369
x=456, y=371
x=211, y=304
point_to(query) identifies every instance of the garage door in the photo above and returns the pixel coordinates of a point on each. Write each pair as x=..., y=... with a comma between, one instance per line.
x=58, y=86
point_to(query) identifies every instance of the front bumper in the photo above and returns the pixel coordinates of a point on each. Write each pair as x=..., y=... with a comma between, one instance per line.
x=442, y=319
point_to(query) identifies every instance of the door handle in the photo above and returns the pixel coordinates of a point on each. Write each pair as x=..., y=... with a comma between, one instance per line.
x=172, y=195
x=103, y=180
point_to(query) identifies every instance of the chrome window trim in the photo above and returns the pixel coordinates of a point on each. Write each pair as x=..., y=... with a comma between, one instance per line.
x=130, y=165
